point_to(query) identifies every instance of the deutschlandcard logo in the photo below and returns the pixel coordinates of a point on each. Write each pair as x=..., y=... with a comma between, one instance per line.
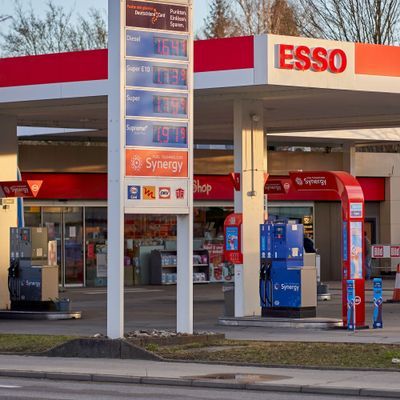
x=133, y=192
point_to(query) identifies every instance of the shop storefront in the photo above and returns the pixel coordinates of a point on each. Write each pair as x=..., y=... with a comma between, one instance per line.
x=73, y=208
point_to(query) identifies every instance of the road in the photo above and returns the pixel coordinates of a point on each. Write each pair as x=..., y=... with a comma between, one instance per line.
x=27, y=389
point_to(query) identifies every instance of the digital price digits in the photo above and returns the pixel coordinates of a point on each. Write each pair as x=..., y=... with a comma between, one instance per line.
x=169, y=105
x=170, y=47
x=170, y=134
x=169, y=76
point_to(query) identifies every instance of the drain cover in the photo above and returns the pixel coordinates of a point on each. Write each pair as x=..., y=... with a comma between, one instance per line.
x=240, y=377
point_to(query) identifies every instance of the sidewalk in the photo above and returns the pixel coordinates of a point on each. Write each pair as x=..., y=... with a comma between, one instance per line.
x=338, y=382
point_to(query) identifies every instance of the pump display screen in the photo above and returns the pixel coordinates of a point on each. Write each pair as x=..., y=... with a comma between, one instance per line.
x=140, y=103
x=151, y=74
x=156, y=45
x=156, y=134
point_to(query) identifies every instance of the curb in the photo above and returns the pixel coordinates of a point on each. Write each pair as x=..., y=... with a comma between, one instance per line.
x=202, y=383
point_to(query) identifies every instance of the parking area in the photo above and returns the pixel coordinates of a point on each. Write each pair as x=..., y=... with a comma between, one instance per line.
x=154, y=307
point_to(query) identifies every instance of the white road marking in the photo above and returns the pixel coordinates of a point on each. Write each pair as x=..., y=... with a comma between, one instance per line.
x=9, y=387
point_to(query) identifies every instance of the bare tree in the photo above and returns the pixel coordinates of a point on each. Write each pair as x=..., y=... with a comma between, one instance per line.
x=220, y=20
x=256, y=17
x=366, y=21
x=30, y=34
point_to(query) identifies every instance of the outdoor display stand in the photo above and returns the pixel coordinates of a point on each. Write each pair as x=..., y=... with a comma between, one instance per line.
x=150, y=136
x=352, y=199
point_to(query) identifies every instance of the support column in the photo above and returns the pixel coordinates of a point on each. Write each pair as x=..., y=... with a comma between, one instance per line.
x=184, y=290
x=349, y=158
x=8, y=213
x=115, y=211
x=250, y=163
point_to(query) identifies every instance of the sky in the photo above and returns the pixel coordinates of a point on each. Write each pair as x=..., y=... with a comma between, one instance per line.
x=82, y=6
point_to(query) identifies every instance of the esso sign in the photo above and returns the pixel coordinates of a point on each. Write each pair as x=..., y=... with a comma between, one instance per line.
x=316, y=59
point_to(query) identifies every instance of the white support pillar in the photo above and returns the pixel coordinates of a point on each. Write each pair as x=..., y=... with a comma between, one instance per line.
x=251, y=164
x=115, y=242
x=8, y=212
x=184, y=290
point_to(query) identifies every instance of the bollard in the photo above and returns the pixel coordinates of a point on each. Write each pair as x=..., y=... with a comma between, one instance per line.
x=378, y=302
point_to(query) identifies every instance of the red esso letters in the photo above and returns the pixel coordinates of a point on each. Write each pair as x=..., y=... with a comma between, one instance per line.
x=317, y=59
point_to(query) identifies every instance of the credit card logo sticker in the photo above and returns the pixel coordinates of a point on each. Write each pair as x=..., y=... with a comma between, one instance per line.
x=133, y=192
x=149, y=192
x=164, y=193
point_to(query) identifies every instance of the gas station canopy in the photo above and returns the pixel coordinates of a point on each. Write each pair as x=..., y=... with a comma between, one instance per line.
x=312, y=91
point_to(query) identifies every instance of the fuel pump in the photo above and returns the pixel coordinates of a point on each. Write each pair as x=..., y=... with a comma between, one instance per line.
x=287, y=287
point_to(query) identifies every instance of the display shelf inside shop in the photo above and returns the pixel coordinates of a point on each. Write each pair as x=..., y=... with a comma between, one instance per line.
x=163, y=267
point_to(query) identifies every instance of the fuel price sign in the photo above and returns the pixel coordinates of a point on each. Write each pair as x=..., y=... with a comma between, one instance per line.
x=150, y=74
x=156, y=45
x=141, y=103
x=156, y=134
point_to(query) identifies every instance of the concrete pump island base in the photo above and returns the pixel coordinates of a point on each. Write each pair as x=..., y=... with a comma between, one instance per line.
x=249, y=92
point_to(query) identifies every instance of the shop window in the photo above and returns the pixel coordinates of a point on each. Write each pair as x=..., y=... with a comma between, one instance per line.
x=96, y=246
x=32, y=216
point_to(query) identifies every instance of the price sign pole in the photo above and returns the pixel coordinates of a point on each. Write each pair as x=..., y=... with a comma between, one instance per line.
x=150, y=136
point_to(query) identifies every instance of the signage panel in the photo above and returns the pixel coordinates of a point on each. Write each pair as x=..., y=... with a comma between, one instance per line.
x=351, y=305
x=156, y=163
x=378, y=301
x=156, y=45
x=356, y=254
x=153, y=193
x=167, y=17
x=156, y=75
x=356, y=210
x=156, y=134
x=140, y=103
x=20, y=188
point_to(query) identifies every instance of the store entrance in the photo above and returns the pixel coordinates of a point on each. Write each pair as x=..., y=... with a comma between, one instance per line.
x=65, y=225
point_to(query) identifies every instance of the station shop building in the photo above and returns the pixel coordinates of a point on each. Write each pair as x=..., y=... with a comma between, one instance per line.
x=344, y=119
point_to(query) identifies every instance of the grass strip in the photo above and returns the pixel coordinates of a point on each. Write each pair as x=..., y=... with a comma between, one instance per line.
x=337, y=355
x=27, y=344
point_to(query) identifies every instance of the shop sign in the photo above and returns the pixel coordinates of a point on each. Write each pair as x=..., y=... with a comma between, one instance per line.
x=378, y=251
x=20, y=188
x=213, y=187
x=318, y=59
x=161, y=16
x=307, y=181
x=156, y=163
x=394, y=251
x=274, y=187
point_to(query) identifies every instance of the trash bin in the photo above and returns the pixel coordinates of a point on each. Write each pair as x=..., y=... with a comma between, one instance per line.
x=229, y=299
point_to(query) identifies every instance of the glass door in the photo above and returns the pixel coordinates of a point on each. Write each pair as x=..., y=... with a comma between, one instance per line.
x=52, y=220
x=73, y=246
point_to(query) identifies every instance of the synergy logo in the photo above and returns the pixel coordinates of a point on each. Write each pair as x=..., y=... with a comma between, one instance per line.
x=299, y=181
x=164, y=193
x=149, y=192
x=133, y=192
x=156, y=163
x=136, y=163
